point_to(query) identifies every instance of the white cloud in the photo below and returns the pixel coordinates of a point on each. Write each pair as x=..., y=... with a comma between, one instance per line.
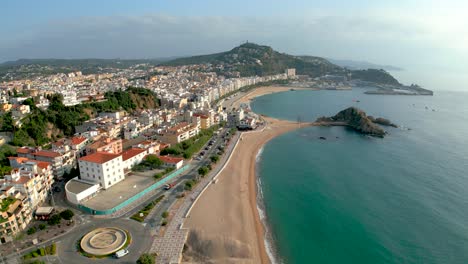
x=419, y=38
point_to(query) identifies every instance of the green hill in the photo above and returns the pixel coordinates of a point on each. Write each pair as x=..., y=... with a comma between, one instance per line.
x=43, y=126
x=251, y=59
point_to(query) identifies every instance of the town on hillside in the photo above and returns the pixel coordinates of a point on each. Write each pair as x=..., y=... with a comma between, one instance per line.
x=99, y=143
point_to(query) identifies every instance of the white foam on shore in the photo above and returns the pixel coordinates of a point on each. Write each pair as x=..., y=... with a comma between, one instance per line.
x=259, y=155
x=267, y=237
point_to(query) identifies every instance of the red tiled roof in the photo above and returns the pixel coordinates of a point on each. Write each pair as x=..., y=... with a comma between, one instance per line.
x=23, y=180
x=49, y=154
x=18, y=159
x=43, y=164
x=99, y=157
x=23, y=150
x=40, y=164
x=77, y=140
x=170, y=160
x=131, y=153
x=201, y=116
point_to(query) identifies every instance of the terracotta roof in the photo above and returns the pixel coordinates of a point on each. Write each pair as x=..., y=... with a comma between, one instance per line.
x=43, y=164
x=170, y=160
x=18, y=159
x=132, y=153
x=40, y=164
x=100, y=157
x=23, y=150
x=22, y=180
x=201, y=116
x=49, y=154
x=77, y=140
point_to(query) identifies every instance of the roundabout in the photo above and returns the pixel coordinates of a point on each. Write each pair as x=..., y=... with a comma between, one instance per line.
x=104, y=241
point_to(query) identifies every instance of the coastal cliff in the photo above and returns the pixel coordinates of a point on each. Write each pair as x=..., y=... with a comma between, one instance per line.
x=358, y=120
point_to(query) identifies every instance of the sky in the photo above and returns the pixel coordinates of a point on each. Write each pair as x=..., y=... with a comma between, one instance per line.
x=429, y=39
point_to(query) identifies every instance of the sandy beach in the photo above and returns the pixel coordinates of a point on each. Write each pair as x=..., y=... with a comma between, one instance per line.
x=225, y=224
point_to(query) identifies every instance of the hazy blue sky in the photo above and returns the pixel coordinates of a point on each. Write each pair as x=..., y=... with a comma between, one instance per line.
x=427, y=38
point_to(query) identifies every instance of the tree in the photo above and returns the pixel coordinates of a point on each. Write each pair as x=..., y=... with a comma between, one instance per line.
x=165, y=214
x=7, y=124
x=67, y=214
x=153, y=161
x=214, y=158
x=203, y=171
x=54, y=220
x=31, y=230
x=146, y=259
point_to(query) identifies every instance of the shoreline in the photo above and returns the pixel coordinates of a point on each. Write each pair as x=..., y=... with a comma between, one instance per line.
x=228, y=211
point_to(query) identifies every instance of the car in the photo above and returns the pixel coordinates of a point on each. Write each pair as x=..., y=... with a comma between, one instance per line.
x=121, y=253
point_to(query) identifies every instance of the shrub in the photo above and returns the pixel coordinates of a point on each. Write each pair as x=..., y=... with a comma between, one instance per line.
x=214, y=158
x=42, y=226
x=146, y=259
x=165, y=214
x=41, y=251
x=35, y=254
x=51, y=249
x=164, y=223
x=31, y=230
x=67, y=214
x=28, y=256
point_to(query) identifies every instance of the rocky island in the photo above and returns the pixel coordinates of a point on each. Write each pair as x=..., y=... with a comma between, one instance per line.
x=358, y=120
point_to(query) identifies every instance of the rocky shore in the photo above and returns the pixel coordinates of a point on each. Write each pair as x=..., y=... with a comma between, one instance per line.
x=358, y=120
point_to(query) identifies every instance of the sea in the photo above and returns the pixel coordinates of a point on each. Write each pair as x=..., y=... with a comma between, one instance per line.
x=357, y=199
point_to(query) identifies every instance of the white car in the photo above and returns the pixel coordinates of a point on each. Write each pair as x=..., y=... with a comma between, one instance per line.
x=121, y=253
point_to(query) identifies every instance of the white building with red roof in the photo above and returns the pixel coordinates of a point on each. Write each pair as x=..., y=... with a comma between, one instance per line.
x=172, y=162
x=103, y=168
x=61, y=162
x=133, y=157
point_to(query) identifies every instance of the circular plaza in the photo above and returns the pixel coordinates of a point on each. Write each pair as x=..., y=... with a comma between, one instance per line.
x=104, y=241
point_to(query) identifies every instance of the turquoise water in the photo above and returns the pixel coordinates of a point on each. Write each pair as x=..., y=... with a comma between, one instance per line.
x=353, y=199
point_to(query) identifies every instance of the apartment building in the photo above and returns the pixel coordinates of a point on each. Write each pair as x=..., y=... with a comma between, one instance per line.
x=178, y=133
x=15, y=214
x=60, y=162
x=104, y=168
x=21, y=192
x=105, y=145
x=32, y=178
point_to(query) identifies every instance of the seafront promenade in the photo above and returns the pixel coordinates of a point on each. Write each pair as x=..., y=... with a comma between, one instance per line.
x=169, y=246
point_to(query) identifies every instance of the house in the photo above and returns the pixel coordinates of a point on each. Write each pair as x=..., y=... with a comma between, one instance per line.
x=172, y=162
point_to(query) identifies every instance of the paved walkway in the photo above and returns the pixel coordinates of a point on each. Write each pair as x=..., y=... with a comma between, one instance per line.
x=169, y=247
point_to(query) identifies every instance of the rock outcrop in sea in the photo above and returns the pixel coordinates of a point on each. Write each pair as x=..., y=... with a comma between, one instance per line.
x=358, y=120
